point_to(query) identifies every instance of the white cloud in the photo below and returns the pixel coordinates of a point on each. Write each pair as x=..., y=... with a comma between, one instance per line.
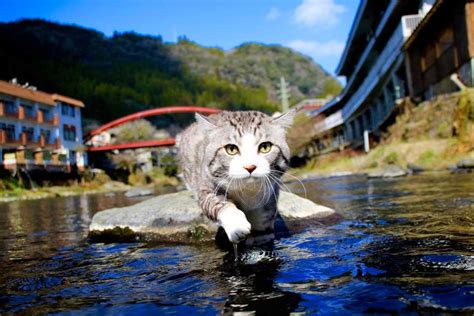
x=318, y=12
x=273, y=14
x=318, y=49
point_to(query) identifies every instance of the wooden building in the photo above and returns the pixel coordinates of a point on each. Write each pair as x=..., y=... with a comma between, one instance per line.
x=441, y=45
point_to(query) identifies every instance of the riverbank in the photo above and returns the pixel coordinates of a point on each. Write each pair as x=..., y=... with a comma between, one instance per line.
x=415, y=156
x=61, y=191
x=137, y=184
x=431, y=136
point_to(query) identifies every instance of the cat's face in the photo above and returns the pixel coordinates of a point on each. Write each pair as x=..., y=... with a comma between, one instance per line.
x=246, y=145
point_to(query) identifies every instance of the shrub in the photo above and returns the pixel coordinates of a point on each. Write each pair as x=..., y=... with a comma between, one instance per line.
x=391, y=158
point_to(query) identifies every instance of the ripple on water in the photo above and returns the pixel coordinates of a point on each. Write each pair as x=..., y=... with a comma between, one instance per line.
x=405, y=246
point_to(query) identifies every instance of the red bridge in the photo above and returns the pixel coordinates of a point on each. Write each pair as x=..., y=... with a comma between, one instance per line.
x=140, y=115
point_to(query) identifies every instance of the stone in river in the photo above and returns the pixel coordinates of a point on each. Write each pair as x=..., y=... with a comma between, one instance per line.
x=466, y=164
x=391, y=171
x=136, y=192
x=176, y=217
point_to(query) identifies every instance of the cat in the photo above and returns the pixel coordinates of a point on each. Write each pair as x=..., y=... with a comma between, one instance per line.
x=233, y=162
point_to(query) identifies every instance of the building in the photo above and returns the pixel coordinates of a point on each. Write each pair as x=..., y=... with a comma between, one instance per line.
x=39, y=130
x=441, y=45
x=396, y=49
x=310, y=105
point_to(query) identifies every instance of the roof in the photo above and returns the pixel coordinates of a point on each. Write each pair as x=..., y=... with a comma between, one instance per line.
x=35, y=95
x=350, y=39
x=25, y=93
x=422, y=24
x=68, y=100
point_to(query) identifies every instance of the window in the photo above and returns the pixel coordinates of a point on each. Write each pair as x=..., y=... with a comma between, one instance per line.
x=9, y=131
x=47, y=135
x=29, y=110
x=30, y=132
x=68, y=110
x=428, y=57
x=445, y=41
x=69, y=132
x=46, y=114
x=9, y=107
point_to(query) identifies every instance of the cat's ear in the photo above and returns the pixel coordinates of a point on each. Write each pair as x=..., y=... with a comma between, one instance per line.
x=203, y=121
x=286, y=119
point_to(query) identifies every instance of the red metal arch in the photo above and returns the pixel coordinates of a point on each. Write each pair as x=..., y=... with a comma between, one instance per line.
x=152, y=112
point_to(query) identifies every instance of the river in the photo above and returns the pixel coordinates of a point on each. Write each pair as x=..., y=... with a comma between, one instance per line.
x=403, y=246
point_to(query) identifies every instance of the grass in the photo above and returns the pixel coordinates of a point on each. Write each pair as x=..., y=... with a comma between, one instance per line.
x=429, y=154
x=431, y=135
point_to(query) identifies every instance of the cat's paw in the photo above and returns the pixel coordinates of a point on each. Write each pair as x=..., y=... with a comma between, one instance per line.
x=235, y=224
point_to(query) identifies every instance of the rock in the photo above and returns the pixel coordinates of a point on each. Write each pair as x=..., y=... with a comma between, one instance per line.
x=176, y=217
x=136, y=192
x=415, y=168
x=465, y=164
x=391, y=171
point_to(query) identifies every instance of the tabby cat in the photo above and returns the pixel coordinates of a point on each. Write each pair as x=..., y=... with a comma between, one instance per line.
x=233, y=162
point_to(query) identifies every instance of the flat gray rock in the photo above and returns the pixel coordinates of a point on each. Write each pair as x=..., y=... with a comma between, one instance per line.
x=136, y=192
x=177, y=217
x=391, y=171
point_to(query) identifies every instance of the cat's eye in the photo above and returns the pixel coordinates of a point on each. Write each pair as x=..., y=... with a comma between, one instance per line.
x=265, y=147
x=231, y=149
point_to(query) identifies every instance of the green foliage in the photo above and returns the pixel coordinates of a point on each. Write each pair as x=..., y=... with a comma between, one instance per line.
x=331, y=87
x=135, y=130
x=129, y=72
x=427, y=158
x=170, y=165
x=391, y=158
x=101, y=178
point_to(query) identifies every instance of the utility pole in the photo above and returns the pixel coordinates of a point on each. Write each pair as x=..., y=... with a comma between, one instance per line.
x=284, y=94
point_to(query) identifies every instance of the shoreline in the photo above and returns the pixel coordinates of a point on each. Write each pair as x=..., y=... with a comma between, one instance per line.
x=60, y=191
x=113, y=187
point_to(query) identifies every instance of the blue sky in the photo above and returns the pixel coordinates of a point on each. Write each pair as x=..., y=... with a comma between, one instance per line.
x=318, y=28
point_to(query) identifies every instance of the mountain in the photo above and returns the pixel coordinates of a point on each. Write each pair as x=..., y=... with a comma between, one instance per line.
x=128, y=72
x=259, y=66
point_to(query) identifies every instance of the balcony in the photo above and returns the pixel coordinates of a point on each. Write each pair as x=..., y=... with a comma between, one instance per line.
x=389, y=56
x=8, y=138
x=47, y=119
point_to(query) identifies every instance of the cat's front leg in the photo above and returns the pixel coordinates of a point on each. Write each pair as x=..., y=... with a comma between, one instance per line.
x=234, y=222
x=217, y=208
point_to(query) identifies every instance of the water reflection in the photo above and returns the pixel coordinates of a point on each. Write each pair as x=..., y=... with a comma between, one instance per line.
x=404, y=246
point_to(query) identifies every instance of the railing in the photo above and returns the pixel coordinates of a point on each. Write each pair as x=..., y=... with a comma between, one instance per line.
x=385, y=61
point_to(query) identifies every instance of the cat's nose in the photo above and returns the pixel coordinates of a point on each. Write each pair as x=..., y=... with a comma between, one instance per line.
x=250, y=168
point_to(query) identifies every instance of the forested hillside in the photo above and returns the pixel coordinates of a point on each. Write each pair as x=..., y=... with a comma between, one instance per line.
x=129, y=72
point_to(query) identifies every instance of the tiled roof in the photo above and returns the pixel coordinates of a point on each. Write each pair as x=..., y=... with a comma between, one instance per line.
x=35, y=95
x=27, y=94
x=68, y=100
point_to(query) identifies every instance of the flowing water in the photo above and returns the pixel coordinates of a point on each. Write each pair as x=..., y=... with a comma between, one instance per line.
x=403, y=246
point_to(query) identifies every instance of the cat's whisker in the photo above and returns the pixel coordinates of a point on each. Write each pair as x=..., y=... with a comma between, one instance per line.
x=279, y=183
x=270, y=184
x=294, y=177
x=220, y=184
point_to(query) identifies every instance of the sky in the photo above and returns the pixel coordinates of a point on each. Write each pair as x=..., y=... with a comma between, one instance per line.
x=317, y=28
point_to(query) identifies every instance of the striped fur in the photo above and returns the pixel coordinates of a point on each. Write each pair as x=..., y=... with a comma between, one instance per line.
x=219, y=181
